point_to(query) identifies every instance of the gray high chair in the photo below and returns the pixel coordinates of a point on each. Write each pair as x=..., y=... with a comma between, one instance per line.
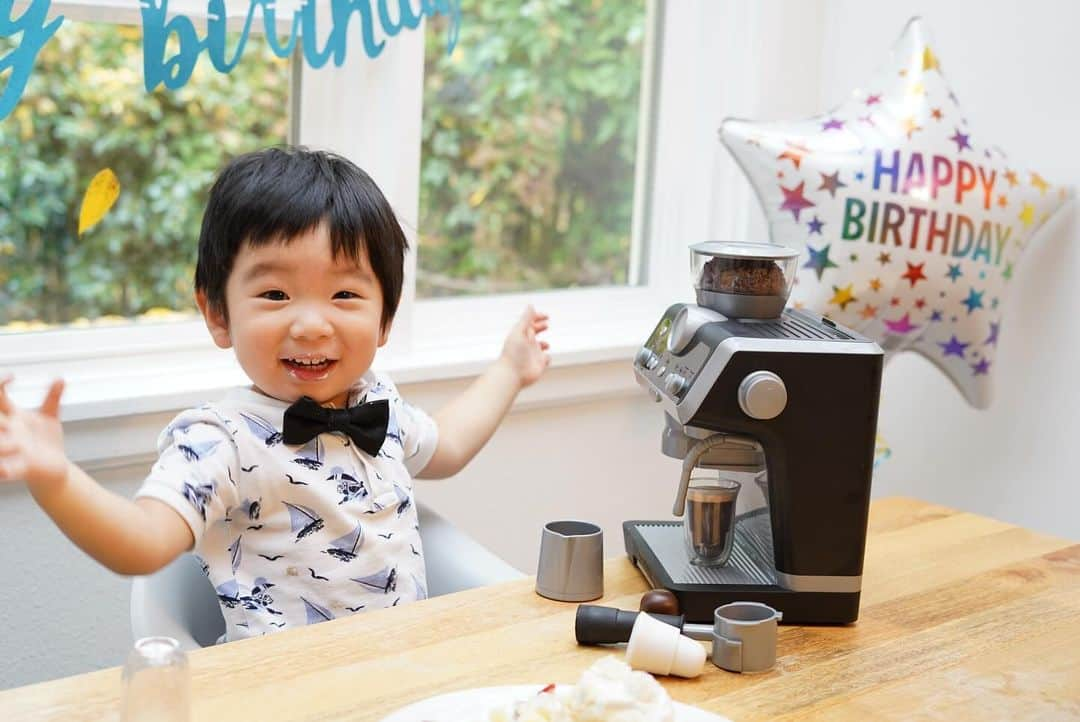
x=178, y=601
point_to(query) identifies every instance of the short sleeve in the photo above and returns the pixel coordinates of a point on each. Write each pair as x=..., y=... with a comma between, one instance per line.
x=419, y=436
x=195, y=470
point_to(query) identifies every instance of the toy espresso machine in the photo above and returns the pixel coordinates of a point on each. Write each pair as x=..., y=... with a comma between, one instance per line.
x=754, y=390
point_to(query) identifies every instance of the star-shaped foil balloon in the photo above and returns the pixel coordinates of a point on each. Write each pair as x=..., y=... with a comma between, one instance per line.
x=912, y=227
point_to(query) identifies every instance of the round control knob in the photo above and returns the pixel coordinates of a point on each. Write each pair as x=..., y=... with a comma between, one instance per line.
x=687, y=322
x=762, y=395
x=644, y=357
x=674, y=384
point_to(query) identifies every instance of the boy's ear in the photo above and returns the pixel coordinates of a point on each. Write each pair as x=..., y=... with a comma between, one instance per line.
x=216, y=322
x=384, y=333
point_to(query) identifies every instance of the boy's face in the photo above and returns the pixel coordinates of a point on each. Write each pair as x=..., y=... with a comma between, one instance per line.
x=301, y=322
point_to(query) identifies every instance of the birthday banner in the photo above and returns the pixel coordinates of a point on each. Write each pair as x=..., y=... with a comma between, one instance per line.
x=379, y=20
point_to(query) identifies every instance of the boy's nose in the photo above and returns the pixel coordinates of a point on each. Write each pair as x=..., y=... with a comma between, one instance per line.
x=309, y=323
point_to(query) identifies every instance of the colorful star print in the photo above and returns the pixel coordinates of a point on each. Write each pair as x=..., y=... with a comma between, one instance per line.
x=1038, y=182
x=843, y=296
x=816, y=225
x=961, y=140
x=974, y=300
x=914, y=273
x=993, y=338
x=983, y=367
x=954, y=272
x=902, y=325
x=929, y=60
x=833, y=124
x=819, y=261
x=794, y=200
x=831, y=183
x=884, y=258
x=954, y=347
x=909, y=126
x=1027, y=215
x=794, y=153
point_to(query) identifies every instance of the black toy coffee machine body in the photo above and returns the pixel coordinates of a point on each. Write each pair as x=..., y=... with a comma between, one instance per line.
x=782, y=394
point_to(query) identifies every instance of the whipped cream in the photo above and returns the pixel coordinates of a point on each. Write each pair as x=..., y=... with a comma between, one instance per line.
x=608, y=691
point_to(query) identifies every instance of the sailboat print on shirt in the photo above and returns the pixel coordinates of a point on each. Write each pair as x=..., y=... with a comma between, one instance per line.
x=199, y=496
x=344, y=547
x=310, y=455
x=228, y=594
x=260, y=599
x=315, y=613
x=350, y=488
x=262, y=429
x=304, y=521
x=384, y=580
x=195, y=450
x=235, y=554
x=404, y=500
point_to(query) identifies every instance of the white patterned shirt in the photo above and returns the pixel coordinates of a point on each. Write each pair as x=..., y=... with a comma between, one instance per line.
x=291, y=535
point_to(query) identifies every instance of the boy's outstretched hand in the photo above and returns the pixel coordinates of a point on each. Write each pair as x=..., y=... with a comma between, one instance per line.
x=523, y=351
x=32, y=442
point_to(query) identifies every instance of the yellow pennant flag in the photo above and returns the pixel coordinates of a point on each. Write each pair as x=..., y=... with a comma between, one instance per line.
x=100, y=195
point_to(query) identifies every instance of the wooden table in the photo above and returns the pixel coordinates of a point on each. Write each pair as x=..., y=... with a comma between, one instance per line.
x=963, y=617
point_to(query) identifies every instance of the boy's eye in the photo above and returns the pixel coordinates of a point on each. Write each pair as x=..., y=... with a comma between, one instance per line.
x=274, y=295
x=346, y=294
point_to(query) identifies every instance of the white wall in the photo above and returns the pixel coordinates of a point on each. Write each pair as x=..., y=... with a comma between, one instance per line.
x=1011, y=65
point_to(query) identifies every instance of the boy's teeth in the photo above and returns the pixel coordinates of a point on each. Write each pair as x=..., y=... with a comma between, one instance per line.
x=308, y=362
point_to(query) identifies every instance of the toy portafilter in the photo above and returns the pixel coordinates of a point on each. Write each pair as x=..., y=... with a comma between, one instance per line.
x=607, y=625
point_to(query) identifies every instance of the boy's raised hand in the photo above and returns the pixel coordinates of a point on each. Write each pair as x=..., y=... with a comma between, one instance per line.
x=32, y=442
x=526, y=354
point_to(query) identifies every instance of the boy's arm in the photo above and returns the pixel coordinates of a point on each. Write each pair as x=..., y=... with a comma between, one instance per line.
x=129, y=537
x=469, y=420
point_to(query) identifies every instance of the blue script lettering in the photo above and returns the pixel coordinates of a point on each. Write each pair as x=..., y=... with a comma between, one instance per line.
x=35, y=33
x=374, y=16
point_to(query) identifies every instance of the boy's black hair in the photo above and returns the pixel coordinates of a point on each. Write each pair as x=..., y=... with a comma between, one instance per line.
x=276, y=194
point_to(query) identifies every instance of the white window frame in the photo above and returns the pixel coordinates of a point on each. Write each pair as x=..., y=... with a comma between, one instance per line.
x=370, y=111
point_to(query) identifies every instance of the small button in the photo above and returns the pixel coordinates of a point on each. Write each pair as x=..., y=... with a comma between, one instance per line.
x=661, y=371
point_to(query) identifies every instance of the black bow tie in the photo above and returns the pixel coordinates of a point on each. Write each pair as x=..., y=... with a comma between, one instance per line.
x=364, y=423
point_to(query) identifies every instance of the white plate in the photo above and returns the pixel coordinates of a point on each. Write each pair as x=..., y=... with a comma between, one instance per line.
x=471, y=704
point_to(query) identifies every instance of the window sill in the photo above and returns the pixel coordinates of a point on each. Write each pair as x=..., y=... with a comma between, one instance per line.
x=133, y=371
x=107, y=388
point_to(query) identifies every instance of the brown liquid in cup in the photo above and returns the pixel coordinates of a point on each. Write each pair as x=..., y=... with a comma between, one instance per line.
x=710, y=523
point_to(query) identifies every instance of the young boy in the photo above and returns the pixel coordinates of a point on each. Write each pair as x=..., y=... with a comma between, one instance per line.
x=296, y=493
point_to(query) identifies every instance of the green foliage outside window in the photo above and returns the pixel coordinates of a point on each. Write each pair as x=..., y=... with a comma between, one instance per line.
x=529, y=137
x=86, y=109
x=527, y=179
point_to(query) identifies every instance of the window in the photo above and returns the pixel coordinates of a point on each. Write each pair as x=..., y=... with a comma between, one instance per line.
x=86, y=109
x=604, y=289
x=530, y=137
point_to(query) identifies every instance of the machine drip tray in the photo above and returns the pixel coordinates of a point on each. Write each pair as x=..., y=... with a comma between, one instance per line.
x=751, y=559
x=658, y=550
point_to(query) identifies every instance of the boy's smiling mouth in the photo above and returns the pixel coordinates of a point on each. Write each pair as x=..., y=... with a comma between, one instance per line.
x=309, y=368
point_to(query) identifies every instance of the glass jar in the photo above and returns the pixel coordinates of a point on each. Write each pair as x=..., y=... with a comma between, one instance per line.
x=743, y=280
